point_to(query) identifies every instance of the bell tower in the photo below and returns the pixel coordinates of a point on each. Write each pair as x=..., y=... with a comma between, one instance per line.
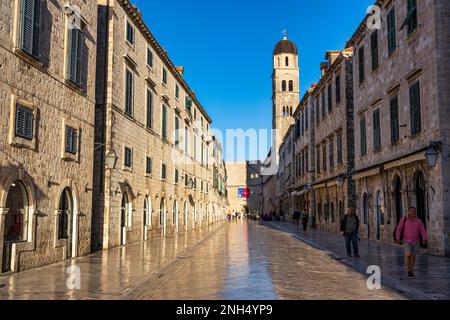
x=285, y=88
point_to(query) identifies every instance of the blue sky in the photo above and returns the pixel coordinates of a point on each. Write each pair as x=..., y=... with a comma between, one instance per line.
x=226, y=47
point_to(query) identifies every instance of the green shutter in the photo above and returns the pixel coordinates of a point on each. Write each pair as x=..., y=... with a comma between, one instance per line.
x=416, y=119
x=30, y=26
x=24, y=122
x=164, y=122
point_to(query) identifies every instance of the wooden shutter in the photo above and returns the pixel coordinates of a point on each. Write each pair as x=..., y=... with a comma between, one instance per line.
x=362, y=125
x=374, y=49
x=129, y=92
x=30, y=26
x=416, y=120
x=394, y=120
x=330, y=98
x=361, y=64
x=338, y=89
x=376, y=130
x=149, y=109
x=392, y=42
x=24, y=122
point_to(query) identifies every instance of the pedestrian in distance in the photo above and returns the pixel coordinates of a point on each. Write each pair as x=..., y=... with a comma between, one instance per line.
x=412, y=233
x=305, y=220
x=297, y=218
x=281, y=215
x=349, y=229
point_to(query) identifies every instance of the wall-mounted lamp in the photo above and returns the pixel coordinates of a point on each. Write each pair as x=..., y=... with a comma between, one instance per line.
x=110, y=160
x=431, y=155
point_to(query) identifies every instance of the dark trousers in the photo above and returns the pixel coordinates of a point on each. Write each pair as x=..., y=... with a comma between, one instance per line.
x=351, y=239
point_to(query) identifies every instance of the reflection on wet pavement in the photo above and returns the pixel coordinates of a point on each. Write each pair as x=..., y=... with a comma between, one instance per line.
x=250, y=261
x=230, y=260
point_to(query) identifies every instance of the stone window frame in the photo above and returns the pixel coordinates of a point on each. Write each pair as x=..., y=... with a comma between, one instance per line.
x=126, y=69
x=148, y=166
x=124, y=167
x=129, y=23
x=18, y=141
x=392, y=93
x=65, y=155
x=377, y=137
x=413, y=78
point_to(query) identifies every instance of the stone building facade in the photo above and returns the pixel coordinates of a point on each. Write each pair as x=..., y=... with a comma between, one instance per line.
x=401, y=88
x=47, y=104
x=393, y=119
x=166, y=178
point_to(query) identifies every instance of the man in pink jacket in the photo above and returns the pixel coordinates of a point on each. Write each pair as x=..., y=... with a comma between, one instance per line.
x=411, y=231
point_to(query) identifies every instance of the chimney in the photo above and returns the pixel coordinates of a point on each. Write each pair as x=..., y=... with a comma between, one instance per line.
x=331, y=55
x=324, y=67
x=180, y=70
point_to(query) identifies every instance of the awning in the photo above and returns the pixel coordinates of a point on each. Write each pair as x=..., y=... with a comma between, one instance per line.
x=412, y=158
x=366, y=174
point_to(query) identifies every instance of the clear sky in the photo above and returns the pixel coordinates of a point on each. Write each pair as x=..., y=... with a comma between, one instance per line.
x=226, y=47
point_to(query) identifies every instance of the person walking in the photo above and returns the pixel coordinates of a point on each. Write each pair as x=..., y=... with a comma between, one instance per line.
x=296, y=218
x=411, y=231
x=305, y=220
x=349, y=229
x=281, y=215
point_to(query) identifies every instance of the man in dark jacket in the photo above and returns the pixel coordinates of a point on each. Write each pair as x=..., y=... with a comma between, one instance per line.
x=349, y=229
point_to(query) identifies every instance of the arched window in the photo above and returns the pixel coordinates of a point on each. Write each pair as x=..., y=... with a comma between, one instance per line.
x=126, y=218
x=287, y=61
x=283, y=85
x=279, y=64
x=379, y=212
x=291, y=85
x=66, y=210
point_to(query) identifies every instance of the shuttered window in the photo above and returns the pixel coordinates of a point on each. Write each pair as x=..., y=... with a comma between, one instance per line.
x=149, y=165
x=128, y=157
x=376, y=130
x=164, y=122
x=149, y=57
x=330, y=98
x=416, y=118
x=130, y=33
x=24, y=122
x=331, y=147
x=317, y=159
x=317, y=112
x=30, y=26
x=129, y=92
x=323, y=104
x=412, y=16
x=339, y=148
x=164, y=76
x=374, y=49
x=177, y=132
x=361, y=64
x=71, y=140
x=324, y=157
x=75, y=56
x=306, y=119
x=149, y=109
x=177, y=176
x=338, y=89
x=177, y=91
x=392, y=42
x=163, y=171
x=395, y=134
x=363, y=141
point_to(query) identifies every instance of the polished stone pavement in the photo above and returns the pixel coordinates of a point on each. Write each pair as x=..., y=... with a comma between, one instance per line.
x=433, y=273
x=230, y=260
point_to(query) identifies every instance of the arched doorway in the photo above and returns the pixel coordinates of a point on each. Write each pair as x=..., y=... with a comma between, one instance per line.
x=421, y=207
x=398, y=202
x=379, y=213
x=67, y=229
x=366, y=214
x=175, y=216
x=147, y=217
x=162, y=216
x=125, y=218
x=16, y=221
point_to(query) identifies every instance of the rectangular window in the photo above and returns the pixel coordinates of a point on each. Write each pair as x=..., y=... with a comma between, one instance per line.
x=149, y=109
x=412, y=16
x=330, y=98
x=149, y=57
x=374, y=49
x=177, y=91
x=331, y=148
x=339, y=148
x=195, y=147
x=416, y=118
x=24, y=122
x=71, y=140
x=202, y=154
x=177, y=177
x=148, y=165
x=323, y=104
x=163, y=172
x=130, y=33
x=129, y=92
x=30, y=26
x=75, y=56
x=306, y=160
x=318, y=159
x=128, y=158
x=338, y=89
x=306, y=119
x=164, y=122
x=177, y=132
x=317, y=111
x=392, y=42
x=361, y=64
x=186, y=140
x=363, y=142
x=201, y=186
x=164, y=76
x=324, y=157
x=376, y=130
x=188, y=102
x=395, y=129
